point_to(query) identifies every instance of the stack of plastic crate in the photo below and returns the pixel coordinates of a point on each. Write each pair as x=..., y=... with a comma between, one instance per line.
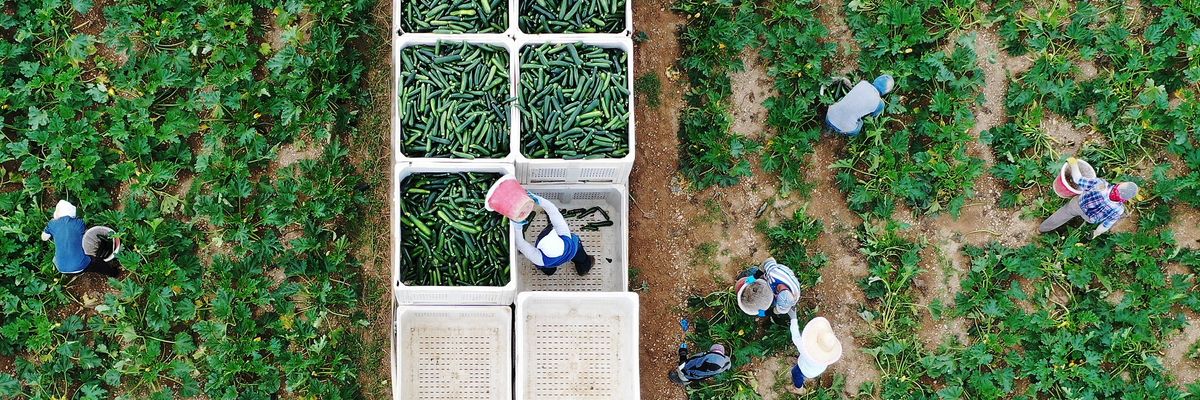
x=574, y=336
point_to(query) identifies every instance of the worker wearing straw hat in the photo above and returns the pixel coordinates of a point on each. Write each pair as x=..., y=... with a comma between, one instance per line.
x=819, y=348
x=1100, y=203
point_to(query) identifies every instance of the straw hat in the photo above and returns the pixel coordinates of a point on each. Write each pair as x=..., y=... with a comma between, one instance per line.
x=754, y=296
x=818, y=344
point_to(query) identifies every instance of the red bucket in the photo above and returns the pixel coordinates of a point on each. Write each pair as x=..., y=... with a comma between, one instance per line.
x=1063, y=183
x=510, y=199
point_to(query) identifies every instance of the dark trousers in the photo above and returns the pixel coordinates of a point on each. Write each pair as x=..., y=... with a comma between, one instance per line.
x=99, y=266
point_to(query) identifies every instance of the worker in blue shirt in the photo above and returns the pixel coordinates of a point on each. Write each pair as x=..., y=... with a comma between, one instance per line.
x=846, y=115
x=554, y=250
x=73, y=242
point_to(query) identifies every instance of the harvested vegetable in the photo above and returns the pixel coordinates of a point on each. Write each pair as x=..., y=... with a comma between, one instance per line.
x=574, y=101
x=572, y=16
x=454, y=16
x=449, y=238
x=454, y=100
x=591, y=224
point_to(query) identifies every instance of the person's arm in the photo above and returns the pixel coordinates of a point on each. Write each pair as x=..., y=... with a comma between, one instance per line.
x=1100, y=230
x=560, y=224
x=532, y=253
x=46, y=232
x=794, y=326
x=1075, y=174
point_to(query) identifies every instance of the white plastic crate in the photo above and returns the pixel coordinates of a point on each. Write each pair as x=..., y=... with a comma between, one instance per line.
x=615, y=170
x=398, y=11
x=577, y=346
x=609, y=244
x=514, y=12
x=453, y=353
x=416, y=39
x=447, y=295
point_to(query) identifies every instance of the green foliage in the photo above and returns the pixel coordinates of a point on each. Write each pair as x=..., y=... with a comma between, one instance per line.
x=1088, y=319
x=790, y=242
x=650, y=87
x=716, y=318
x=712, y=40
x=793, y=45
x=172, y=92
x=916, y=153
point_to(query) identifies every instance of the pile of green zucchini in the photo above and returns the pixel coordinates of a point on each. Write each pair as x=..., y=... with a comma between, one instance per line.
x=448, y=238
x=574, y=101
x=454, y=100
x=572, y=16
x=454, y=16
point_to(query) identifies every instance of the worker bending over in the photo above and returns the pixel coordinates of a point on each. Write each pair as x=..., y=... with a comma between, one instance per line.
x=556, y=244
x=785, y=288
x=819, y=348
x=77, y=249
x=845, y=116
x=700, y=366
x=1100, y=203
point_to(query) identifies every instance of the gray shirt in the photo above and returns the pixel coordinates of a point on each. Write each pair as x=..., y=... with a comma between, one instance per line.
x=846, y=115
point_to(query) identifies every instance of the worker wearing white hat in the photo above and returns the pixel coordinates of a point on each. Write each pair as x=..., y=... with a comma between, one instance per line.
x=556, y=245
x=818, y=347
x=77, y=250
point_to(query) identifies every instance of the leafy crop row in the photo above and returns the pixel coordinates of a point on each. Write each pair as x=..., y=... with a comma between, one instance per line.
x=164, y=118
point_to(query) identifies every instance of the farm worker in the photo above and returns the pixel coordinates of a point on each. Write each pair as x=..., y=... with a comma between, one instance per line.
x=818, y=347
x=785, y=288
x=1100, y=203
x=552, y=250
x=701, y=366
x=845, y=116
x=72, y=244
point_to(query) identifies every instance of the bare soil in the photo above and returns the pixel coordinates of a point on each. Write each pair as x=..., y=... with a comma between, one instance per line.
x=1185, y=222
x=1184, y=368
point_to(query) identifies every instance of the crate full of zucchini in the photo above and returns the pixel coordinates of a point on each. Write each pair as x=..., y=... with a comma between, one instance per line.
x=454, y=100
x=574, y=101
x=448, y=238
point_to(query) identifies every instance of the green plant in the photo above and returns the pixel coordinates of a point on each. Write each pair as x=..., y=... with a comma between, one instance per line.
x=712, y=40
x=650, y=87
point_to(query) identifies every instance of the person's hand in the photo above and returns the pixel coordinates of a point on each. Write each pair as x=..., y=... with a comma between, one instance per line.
x=45, y=236
x=1072, y=160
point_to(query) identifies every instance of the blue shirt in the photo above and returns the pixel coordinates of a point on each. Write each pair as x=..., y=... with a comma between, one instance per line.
x=68, y=244
x=1097, y=207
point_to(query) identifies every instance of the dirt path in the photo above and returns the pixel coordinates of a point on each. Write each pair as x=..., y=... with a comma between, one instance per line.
x=656, y=221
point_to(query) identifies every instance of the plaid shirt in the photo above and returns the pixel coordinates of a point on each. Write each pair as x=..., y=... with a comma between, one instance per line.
x=1097, y=207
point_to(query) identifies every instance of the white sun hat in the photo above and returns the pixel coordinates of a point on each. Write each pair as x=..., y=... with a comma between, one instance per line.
x=754, y=296
x=64, y=209
x=552, y=245
x=819, y=347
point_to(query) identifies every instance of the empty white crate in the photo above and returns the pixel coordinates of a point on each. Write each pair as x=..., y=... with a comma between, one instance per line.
x=447, y=295
x=416, y=39
x=537, y=170
x=460, y=353
x=577, y=346
x=514, y=13
x=609, y=244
